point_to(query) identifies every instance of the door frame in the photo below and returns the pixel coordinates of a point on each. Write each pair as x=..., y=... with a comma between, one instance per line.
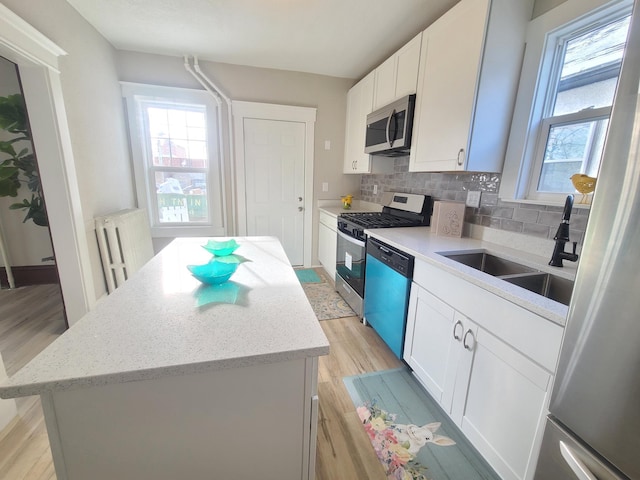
x=286, y=113
x=37, y=60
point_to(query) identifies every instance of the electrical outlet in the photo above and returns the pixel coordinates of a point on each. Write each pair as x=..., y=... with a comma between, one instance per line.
x=325, y=186
x=473, y=199
x=375, y=189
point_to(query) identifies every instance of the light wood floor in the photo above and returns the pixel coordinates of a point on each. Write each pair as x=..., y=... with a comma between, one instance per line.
x=343, y=453
x=30, y=319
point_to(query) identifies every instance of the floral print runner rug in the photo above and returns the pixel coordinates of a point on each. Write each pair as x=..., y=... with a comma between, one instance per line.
x=411, y=435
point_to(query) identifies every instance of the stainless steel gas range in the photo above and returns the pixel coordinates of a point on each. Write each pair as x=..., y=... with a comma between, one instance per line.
x=401, y=210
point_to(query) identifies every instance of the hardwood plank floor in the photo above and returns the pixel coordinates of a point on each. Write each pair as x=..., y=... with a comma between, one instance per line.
x=343, y=452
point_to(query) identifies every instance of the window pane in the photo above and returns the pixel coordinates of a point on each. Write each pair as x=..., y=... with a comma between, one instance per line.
x=571, y=148
x=590, y=68
x=177, y=136
x=181, y=197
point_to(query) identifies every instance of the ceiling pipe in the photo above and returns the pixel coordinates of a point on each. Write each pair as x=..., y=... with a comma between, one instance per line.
x=218, y=95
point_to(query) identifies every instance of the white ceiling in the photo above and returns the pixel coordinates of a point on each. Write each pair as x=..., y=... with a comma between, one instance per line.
x=341, y=38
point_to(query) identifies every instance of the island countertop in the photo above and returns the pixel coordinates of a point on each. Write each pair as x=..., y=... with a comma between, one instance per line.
x=162, y=322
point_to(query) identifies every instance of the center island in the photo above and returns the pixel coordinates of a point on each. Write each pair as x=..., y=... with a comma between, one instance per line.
x=169, y=378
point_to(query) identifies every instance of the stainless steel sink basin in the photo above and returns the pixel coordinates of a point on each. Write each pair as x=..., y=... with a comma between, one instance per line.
x=545, y=284
x=488, y=263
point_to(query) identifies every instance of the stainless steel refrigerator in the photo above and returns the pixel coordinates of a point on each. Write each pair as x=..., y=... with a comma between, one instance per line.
x=593, y=431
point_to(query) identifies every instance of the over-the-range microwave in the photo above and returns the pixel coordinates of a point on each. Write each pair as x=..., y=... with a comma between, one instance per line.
x=389, y=128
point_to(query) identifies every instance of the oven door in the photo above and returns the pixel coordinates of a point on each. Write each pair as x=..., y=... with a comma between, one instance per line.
x=350, y=258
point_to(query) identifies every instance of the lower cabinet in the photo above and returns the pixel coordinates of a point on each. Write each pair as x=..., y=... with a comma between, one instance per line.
x=327, y=243
x=497, y=395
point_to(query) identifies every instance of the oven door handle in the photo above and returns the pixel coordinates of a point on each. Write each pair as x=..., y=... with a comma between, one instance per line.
x=350, y=239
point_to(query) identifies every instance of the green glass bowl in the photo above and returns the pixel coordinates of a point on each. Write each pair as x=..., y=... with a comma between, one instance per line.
x=221, y=248
x=213, y=273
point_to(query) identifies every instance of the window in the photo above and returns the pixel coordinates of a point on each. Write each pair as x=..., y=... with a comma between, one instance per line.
x=571, y=138
x=561, y=117
x=176, y=145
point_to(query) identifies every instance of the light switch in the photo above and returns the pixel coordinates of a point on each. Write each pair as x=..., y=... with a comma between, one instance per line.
x=327, y=144
x=375, y=189
x=473, y=199
x=325, y=186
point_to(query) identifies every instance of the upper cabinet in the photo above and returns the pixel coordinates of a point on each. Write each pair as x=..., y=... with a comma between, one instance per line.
x=359, y=105
x=394, y=78
x=398, y=75
x=469, y=68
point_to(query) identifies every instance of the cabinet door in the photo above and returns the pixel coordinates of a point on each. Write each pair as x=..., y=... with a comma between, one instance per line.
x=398, y=75
x=432, y=343
x=407, y=66
x=385, y=83
x=449, y=66
x=327, y=243
x=500, y=402
x=359, y=105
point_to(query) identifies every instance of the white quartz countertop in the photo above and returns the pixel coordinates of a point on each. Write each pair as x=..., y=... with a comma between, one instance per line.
x=356, y=207
x=422, y=244
x=152, y=326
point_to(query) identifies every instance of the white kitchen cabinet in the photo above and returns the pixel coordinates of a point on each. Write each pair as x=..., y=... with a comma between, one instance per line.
x=487, y=361
x=431, y=344
x=327, y=242
x=398, y=75
x=359, y=105
x=469, y=69
x=500, y=399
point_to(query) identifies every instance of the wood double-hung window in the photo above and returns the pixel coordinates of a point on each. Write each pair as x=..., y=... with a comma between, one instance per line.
x=176, y=148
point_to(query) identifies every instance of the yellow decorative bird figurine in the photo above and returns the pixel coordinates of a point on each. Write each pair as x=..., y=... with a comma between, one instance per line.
x=584, y=184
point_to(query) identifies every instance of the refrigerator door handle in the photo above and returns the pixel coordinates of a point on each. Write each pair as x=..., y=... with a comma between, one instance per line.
x=576, y=465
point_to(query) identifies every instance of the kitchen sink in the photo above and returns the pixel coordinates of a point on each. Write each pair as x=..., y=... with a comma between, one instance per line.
x=488, y=263
x=545, y=284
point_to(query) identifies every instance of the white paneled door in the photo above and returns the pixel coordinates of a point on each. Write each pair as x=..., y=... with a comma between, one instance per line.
x=274, y=161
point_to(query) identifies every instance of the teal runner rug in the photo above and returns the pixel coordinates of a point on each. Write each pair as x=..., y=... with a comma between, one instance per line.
x=308, y=275
x=411, y=435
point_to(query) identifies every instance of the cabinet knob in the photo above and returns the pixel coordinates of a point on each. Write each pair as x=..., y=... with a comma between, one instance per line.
x=464, y=341
x=455, y=330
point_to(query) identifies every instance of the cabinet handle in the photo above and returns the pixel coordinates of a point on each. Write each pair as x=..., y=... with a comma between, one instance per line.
x=461, y=157
x=455, y=328
x=464, y=340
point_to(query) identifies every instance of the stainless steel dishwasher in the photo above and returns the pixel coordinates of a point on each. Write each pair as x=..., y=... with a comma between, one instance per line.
x=386, y=292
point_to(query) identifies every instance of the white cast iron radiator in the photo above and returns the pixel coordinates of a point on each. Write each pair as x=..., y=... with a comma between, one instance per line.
x=124, y=239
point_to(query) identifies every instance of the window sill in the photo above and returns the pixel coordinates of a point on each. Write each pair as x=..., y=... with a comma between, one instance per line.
x=577, y=198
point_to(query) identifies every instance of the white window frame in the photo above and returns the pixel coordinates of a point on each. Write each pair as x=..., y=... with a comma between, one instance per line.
x=523, y=160
x=134, y=94
x=545, y=127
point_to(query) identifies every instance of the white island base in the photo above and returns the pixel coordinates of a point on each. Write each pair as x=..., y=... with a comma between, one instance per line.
x=243, y=423
x=168, y=379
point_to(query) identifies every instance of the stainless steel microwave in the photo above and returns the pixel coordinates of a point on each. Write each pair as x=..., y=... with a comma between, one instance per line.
x=389, y=128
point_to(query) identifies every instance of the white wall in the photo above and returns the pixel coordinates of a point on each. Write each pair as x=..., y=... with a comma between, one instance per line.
x=543, y=6
x=27, y=243
x=327, y=94
x=94, y=111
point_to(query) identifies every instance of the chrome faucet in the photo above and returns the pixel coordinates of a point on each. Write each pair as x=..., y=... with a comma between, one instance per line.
x=562, y=237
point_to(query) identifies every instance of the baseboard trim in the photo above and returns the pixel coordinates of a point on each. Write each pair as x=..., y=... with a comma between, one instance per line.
x=31, y=275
